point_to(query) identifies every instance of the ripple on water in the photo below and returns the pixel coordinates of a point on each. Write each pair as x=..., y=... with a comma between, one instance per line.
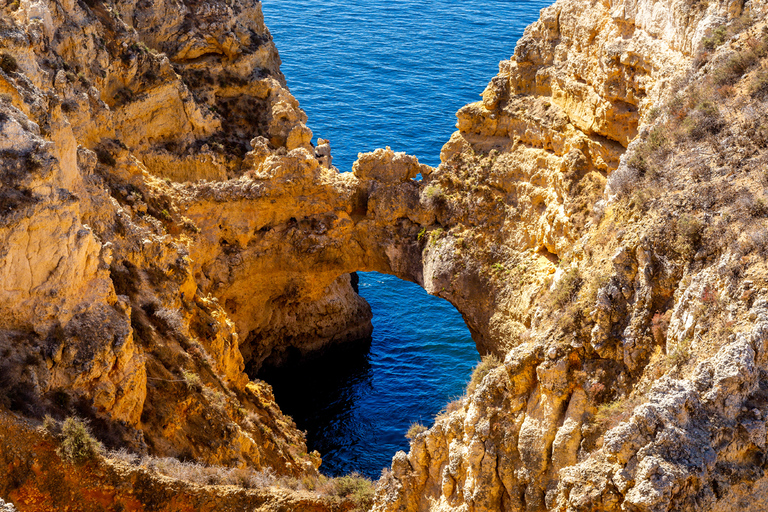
x=371, y=74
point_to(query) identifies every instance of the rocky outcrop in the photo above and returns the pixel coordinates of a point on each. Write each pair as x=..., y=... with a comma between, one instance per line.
x=166, y=222
x=623, y=318
x=36, y=479
x=103, y=313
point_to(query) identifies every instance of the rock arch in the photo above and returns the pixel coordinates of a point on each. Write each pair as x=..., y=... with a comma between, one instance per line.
x=276, y=247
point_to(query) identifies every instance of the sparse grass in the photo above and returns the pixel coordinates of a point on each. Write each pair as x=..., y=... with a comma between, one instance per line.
x=612, y=413
x=77, y=443
x=414, y=430
x=567, y=288
x=215, y=398
x=488, y=363
x=742, y=61
x=352, y=487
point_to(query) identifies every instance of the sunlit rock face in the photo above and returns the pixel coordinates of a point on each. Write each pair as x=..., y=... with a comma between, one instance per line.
x=117, y=120
x=615, y=327
x=166, y=222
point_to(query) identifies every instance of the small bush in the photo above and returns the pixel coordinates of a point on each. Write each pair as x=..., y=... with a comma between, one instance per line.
x=758, y=89
x=737, y=65
x=717, y=38
x=354, y=487
x=689, y=230
x=192, y=380
x=623, y=180
x=77, y=443
x=566, y=288
x=483, y=368
x=414, y=430
x=679, y=354
x=433, y=191
x=704, y=120
x=8, y=63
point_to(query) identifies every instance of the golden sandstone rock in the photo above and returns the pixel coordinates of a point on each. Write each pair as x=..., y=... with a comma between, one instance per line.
x=166, y=223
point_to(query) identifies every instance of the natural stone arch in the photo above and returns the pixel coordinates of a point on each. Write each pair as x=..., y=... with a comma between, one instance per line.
x=276, y=247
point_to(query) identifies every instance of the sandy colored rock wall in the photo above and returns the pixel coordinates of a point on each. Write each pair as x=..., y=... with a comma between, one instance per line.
x=606, y=398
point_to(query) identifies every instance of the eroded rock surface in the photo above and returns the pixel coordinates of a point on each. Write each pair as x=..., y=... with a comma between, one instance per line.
x=165, y=221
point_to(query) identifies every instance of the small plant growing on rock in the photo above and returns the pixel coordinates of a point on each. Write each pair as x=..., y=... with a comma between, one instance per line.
x=434, y=236
x=717, y=38
x=566, y=288
x=680, y=354
x=354, y=487
x=612, y=413
x=414, y=430
x=77, y=443
x=488, y=363
x=192, y=380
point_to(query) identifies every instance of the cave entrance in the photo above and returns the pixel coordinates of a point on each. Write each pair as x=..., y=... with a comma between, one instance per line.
x=356, y=401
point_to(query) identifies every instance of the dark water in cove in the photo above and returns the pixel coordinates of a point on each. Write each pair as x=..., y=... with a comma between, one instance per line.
x=371, y=74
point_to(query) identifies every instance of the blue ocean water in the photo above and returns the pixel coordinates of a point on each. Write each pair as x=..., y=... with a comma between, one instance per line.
x=370, y=74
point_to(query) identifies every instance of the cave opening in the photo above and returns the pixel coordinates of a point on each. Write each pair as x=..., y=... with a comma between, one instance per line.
x=357, y=400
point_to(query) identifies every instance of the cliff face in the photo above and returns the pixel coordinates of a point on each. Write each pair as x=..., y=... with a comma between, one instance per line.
x=104, y=313
x=165, y=221
x=621, y=289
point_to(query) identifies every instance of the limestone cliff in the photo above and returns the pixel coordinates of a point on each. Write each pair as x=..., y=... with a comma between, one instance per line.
x=623, y=290
x=597, y=219
x=104, y=313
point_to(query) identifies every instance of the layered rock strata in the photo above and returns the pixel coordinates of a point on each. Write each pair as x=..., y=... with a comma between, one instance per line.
x=628, y=316
x=165, y=220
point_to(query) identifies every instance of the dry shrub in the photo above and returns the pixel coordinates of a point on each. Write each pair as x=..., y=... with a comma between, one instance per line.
x=484, y=367
x=77, y=443
x=414, y=430
x=354, y=487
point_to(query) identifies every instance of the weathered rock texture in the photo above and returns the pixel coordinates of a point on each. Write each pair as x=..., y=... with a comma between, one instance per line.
x=630, y=317
x=165, y=221
x=103, y=312
x=36, y=479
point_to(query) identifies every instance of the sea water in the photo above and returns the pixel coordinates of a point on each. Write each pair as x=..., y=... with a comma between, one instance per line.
x=372, y=74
